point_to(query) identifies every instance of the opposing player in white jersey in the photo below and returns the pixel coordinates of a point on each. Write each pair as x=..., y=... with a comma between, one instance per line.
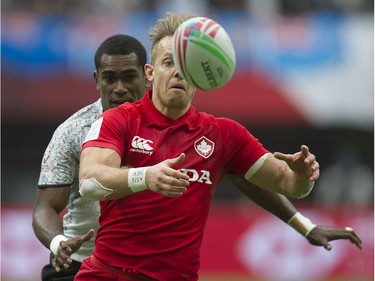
x=119, y=78
x=153, y=213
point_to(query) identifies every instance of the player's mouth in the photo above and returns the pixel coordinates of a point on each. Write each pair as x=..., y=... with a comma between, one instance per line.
x=178, y=86
x=117, y=102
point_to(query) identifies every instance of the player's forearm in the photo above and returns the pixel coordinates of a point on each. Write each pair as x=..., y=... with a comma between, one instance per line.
x=286, y=182
x=46, y=225
x=103, y=182
x=273, y=202
x=276, y=204
x=277, y=176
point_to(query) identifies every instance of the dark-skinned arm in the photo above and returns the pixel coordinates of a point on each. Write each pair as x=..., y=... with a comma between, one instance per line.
x=47, y=224
x=281, y=207
x=49, y=203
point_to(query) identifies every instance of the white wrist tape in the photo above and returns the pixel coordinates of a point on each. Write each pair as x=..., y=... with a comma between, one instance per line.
x=302, y=224
x=55, y=243
x=137, y=179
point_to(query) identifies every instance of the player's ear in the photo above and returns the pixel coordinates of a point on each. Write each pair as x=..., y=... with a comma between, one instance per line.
x=147, y=83
x=149, y=71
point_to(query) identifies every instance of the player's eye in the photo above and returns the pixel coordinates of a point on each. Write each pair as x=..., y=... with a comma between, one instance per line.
x=130, y=77
x=168, y=63
x=108, y=79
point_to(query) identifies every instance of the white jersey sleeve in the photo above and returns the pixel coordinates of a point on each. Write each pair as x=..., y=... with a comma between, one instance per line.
x=60, y=167
x=60, y=162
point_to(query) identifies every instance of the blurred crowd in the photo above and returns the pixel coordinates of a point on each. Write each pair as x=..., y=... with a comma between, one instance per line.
x=281, y=7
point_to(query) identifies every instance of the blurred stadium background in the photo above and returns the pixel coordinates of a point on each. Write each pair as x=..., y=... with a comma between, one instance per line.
x=305, y=74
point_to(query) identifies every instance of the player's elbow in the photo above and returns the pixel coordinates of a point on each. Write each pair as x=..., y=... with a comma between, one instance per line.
x=92, y=189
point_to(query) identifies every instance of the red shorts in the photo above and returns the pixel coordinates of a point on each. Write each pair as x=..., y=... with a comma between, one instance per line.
x=94, y=270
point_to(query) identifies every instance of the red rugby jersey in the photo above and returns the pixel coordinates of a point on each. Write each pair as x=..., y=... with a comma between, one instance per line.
x=157, y=235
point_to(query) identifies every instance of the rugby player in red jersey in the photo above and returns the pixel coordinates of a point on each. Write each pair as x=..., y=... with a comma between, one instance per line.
x=153, y=214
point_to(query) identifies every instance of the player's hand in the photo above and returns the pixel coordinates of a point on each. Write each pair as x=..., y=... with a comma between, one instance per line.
x=303, y=163
x=68, y=247
x=321, y=235
x=164, y=179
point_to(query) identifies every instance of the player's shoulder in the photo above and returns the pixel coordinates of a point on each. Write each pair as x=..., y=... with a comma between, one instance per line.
x=219, y=121
x=127, y=110
x=83, y=117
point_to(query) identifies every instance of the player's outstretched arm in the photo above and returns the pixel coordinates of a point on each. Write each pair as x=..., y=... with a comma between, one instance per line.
x=102, y=176
x=292, y=175
x=281, y=207
x=273, y=202
x=48, y=204
x=47, y=224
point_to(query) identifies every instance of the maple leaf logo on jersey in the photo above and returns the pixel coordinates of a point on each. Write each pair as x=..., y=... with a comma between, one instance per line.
x=204, y=147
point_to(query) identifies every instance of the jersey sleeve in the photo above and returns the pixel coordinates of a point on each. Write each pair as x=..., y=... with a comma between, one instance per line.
x=60, y=160
x=243, y=150
x=107, y=132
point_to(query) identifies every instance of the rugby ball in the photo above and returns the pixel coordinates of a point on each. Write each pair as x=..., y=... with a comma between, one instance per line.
x=203, y=53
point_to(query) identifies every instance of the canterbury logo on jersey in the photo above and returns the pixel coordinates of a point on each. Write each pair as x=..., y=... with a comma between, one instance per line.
x=141, y=145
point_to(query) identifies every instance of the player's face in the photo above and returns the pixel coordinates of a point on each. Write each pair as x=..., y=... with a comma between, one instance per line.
x=172, y=95
x=120, y=79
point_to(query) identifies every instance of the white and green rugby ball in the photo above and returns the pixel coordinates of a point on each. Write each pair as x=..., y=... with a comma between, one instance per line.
x=203, y=53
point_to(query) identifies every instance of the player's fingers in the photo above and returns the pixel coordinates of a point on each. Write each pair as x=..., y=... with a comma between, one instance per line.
x=354, y=237
x=87, y=236
x=348, y=234
x=305, y=150
x=173, y=191
x=171, y=194
x=281, y=156
x=64, y=248
x=310, y=159
x=162, y=172
x=328, y=246
x=55, y=266
x=170, y=190
x=355, y=240
x=178, y=181
x=63, y=256
x=176, y=161
x=172, y=177
x=314, y=175
x=181, y=177
x=64, y=263
x=59, y=262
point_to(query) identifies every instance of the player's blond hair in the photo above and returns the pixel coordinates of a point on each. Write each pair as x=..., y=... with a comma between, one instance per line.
x=163, y=28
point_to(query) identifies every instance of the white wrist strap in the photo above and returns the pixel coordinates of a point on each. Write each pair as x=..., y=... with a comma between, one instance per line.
x=137, y=179
x=55, y=243
x=301, y=224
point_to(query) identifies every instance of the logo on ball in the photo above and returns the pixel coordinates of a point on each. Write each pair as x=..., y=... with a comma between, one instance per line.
x=203, y=53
